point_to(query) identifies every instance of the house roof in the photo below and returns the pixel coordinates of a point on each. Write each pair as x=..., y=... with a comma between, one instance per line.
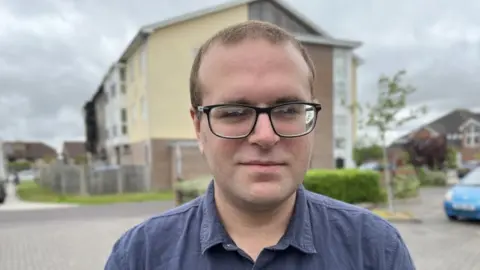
x=73, y=148
x=449, y=123
x=33, y=150
x=145, y=31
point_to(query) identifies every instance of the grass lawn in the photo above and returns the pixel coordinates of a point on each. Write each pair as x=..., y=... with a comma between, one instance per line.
x=31, y=192
x=396, y=216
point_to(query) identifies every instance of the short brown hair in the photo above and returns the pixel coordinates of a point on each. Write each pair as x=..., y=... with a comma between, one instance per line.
x=237, y=33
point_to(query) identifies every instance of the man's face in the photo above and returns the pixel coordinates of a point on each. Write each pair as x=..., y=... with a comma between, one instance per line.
x=261, y=74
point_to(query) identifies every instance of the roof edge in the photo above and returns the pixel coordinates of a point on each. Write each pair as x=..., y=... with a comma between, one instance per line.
x=329, y=41
x=196, y=14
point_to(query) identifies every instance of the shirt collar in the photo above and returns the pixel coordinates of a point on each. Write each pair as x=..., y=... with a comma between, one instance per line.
x=299, y=232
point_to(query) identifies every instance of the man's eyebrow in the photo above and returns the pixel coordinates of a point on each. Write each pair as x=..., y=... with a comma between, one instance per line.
x=280, y=100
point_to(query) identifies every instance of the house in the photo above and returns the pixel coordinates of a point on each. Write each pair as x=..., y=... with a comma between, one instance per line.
x=73, y=151
x=28, y=151
x=461, y=126
x=157, y=66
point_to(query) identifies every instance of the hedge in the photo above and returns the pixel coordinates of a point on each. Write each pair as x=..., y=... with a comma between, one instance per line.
x=432, y=178
x=187, y=190
x=348, y=185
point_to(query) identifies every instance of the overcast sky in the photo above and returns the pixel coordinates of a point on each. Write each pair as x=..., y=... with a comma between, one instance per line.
x=53, y=53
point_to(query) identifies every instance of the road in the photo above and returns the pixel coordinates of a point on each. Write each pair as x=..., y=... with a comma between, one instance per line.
x=81, y=238
x=438, y=243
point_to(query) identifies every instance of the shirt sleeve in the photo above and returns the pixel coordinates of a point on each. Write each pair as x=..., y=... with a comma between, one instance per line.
x=397, y=254
x=115, y=260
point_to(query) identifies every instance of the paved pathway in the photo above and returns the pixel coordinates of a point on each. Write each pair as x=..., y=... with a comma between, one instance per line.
x=81, y=238
x=13, y=203
x=437, y=243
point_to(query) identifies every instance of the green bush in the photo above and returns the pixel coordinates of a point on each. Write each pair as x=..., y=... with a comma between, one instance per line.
x=17, y=166
x=432, y=178
x=348, y=185
x=406, y=186
x=190, y=189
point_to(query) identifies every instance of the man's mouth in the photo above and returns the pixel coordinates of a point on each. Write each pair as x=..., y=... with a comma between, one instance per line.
x=263, y=163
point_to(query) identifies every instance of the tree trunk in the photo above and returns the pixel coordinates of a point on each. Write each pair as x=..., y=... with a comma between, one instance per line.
x=387, y=174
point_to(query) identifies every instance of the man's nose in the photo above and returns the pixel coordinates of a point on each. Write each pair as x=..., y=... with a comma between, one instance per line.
x=263, y=134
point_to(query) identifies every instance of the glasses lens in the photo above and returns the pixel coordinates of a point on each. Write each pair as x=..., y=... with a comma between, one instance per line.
x=293, y=119
x=232, y=121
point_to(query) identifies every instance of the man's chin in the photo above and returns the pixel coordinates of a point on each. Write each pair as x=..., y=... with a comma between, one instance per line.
x=267, y=191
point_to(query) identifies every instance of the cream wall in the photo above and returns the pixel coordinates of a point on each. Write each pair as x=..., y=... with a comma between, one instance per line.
x=170, y=56
x=136, y=90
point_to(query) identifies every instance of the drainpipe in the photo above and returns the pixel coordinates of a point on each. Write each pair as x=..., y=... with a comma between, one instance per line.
x=148, y=180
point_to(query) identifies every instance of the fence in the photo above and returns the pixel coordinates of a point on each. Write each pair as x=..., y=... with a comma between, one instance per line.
x=93, y=180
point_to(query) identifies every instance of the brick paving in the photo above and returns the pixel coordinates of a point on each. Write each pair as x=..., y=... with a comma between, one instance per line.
x=81, y=238
x=437, y=243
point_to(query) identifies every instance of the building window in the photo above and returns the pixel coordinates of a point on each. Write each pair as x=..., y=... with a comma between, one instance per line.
x=340, y=120
x=147, y=154
x=123, y=88
x=124, y=129
x=340, y=64
x=340, y=143
x=472, y=136
x=340, y=91
x=112, y=90
x=126, y=149
x=131, y=70
x=123, y=115
x=122, y=74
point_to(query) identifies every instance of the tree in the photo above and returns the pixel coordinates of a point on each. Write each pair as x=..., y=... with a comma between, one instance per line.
x=361, y=154
x=384, y=116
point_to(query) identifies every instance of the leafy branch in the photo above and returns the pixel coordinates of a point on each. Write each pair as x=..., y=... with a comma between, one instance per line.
x=384, y=114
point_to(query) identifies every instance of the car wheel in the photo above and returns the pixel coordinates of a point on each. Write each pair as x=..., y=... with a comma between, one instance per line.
x=452, y=217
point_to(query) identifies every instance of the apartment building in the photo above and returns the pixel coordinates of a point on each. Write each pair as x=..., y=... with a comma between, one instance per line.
x=116, y=115
x=345, y=65
x=157, y=65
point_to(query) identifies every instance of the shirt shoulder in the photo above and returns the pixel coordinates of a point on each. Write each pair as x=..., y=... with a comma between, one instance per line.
x=360, y=233
x=156, y=235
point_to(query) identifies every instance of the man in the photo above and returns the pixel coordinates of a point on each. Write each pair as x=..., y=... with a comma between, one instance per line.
x=254, y=112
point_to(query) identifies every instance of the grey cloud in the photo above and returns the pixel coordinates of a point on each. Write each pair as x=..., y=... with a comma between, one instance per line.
x=58, y=50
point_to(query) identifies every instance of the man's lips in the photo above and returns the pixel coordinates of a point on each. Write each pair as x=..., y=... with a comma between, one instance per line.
x=263, y=163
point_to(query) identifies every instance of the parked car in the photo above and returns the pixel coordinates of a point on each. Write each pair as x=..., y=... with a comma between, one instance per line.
x=463, y=199
x=375, y=166
x=3, y=191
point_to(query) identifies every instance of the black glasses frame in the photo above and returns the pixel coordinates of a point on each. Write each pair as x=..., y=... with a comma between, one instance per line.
x=259, y=110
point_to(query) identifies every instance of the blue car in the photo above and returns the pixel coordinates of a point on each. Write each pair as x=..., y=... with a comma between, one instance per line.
x=463, y=199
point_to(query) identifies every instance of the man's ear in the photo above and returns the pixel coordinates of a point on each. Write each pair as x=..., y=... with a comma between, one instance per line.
x=196, y=119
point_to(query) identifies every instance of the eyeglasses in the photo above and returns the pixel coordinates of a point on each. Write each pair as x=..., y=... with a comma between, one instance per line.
x=288, y=120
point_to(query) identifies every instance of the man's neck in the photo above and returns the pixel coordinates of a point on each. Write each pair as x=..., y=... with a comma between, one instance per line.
x=240, y=222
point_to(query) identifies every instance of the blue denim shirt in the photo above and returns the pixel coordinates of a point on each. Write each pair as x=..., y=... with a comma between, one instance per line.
x=323, y=234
